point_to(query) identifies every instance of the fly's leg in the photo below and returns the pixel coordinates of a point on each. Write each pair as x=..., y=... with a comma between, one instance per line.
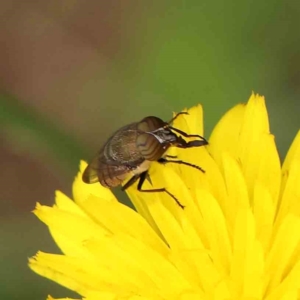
x=142, y=177
x=178, y=114
x=180, y=162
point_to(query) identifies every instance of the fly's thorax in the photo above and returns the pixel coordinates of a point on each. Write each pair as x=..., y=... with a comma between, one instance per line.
x=121, y=147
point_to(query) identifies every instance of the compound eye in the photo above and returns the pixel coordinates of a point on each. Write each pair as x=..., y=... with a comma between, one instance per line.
x=149, y=147
x=150, y=124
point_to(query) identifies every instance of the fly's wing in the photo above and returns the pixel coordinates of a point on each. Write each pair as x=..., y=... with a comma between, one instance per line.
x=90, y=174
x=108, y=175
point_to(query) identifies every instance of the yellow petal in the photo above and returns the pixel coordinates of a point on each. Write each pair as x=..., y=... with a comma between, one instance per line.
x=211, y=180
x=146, y=270
x=119, y=218
x=82, y=190
x=237, y=195
x=69, y=272
x=70, y=239
x=290, y=202
x=268, y=170
x=251, y=145
x=293, y=153
x=197, y=266
x=225, y=135
x=64, y=203
x=290, y=181
x=141, y=202
x=282, y=250
x=192, y=123
x=249, y=141
x=247, y=260
x=288, y=288
x=167, y=178
x=216, y=231
x=264, y=210
x=165, y=212
x=51, y=298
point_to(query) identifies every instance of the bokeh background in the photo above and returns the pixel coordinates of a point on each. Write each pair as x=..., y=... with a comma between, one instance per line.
x=72, y=71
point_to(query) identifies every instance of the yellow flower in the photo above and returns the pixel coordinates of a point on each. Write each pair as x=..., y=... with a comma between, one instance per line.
x=238, y=236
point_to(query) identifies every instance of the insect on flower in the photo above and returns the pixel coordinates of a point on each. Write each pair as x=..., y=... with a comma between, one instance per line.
x=132, y=148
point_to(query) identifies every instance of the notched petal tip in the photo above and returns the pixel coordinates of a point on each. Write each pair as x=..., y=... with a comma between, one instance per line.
x=33, y=259
x=37, y=208
x=49, y=297
x=256, y=96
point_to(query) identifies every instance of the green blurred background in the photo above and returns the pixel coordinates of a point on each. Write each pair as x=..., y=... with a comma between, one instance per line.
x=72, y=71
